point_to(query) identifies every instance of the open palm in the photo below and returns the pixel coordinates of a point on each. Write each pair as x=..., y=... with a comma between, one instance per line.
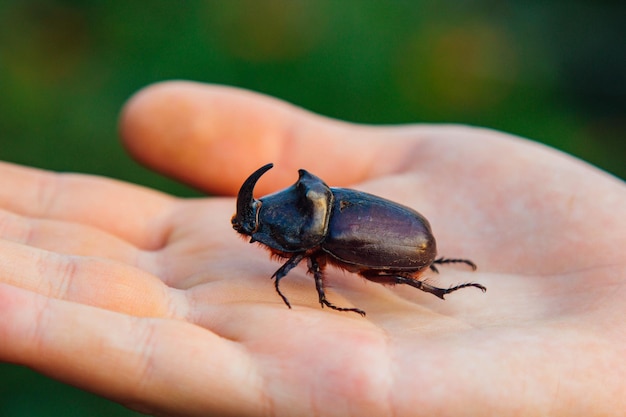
x=155, y=302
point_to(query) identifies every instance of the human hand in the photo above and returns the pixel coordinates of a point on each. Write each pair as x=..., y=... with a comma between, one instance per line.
x=155, y=302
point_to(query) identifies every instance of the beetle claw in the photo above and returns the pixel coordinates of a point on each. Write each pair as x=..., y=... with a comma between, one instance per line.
x=426, y=287
x=316, y=270
x=452, y=261
x=334, y=307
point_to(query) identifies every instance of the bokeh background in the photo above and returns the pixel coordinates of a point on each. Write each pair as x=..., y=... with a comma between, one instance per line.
x=552, y=71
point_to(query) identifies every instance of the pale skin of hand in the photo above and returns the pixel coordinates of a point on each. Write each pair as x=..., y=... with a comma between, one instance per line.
x=156, y=303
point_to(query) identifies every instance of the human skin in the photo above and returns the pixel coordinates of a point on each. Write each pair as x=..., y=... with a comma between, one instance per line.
x=155, y=302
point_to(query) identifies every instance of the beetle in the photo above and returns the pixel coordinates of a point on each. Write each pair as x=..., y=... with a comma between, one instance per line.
x=379, y=239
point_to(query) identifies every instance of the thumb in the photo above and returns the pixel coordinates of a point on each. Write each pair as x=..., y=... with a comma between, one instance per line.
x=213, y=137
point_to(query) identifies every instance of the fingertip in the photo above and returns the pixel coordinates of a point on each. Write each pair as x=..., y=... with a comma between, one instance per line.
x=207, y=136
x=158, y=122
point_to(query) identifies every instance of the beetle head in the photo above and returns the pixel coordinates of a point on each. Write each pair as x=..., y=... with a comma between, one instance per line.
x=245, y=221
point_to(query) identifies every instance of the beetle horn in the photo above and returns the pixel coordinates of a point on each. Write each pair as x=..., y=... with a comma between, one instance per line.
x=244, y=221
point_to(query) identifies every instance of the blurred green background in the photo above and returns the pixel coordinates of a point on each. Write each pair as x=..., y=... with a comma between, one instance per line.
x=553, y=71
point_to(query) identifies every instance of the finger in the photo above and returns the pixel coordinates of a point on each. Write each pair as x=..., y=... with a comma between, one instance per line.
x=127, y=211
x=212, y=137
x=164, y=366
x=94, y=281
x=65, y=237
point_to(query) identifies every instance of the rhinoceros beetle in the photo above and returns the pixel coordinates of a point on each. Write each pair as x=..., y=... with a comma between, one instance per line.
x=382, y=241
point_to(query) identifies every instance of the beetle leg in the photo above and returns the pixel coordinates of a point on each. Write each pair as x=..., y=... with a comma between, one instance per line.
x=439, y=292
x=451, y=261
x=316, y=270
x=284, y=270
x=386, y=278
